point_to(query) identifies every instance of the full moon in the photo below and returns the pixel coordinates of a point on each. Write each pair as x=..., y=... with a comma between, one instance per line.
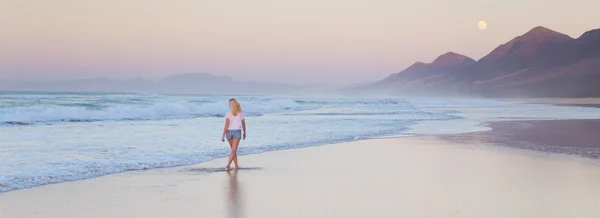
x=481, y=25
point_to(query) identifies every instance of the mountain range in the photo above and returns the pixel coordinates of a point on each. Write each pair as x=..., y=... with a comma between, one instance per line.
x=539, y=63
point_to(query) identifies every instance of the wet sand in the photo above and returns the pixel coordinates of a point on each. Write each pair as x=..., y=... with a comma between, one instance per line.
x=392, y=177
x=573, y=137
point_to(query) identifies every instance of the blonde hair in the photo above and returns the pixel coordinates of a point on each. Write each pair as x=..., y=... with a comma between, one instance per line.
x=235, y=108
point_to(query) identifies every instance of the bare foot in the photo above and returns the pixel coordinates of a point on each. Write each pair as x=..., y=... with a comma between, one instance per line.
x=227, y=168
x=237, y=167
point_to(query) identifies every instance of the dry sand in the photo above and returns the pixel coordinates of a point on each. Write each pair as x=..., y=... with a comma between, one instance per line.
x=393, y=177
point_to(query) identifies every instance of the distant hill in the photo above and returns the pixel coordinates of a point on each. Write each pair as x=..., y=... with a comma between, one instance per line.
x=539, y=63
x=435, y=78
x=196, y=83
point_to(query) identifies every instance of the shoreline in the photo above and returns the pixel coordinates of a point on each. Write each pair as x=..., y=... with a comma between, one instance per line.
x=510, y=154
x=498, y=134
x=395, y=177
x=576, y=138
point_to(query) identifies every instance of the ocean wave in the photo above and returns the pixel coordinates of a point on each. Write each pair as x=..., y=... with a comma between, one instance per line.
x=364, y=113
x=72, y=170
x=75, y=111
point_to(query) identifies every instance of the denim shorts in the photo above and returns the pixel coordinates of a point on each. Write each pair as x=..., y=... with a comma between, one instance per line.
x=233, y=134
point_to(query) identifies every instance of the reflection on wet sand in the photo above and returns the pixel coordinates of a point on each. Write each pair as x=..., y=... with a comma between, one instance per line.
x=235, y=201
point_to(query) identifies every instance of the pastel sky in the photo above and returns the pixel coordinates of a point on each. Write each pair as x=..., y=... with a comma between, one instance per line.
x=301, y=41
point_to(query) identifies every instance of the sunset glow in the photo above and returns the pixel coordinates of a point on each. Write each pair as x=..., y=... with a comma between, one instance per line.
x=283, y=41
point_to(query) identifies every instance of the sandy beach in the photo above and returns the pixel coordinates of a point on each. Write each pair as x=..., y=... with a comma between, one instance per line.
x=334, y=109
x=392, y=177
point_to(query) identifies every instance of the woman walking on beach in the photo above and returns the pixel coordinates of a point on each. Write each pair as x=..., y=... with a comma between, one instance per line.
x=235, y=122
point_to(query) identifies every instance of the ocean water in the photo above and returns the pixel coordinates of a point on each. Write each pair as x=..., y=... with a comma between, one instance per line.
x=55, y=137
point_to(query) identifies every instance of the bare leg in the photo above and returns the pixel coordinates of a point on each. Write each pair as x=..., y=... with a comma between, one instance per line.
x=236, y=143
x=230, y=141
x=234, y=158
x=235, y=161
x=233, y=143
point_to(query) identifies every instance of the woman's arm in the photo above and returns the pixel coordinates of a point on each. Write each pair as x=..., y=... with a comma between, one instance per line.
x=244, y=127
x=225, y=129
